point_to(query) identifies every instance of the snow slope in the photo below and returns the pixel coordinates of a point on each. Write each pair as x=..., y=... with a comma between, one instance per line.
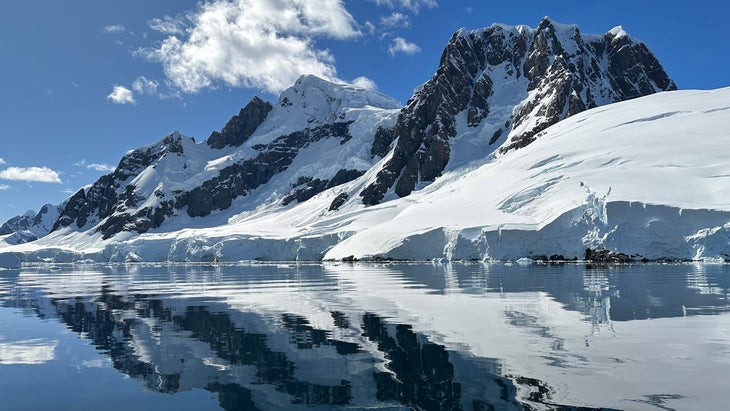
x=647, y=177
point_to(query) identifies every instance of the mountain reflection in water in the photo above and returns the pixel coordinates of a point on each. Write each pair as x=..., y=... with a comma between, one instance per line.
x=366, y=336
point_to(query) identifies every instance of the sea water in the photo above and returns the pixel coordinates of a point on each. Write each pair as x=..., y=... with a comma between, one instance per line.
x=467, y=336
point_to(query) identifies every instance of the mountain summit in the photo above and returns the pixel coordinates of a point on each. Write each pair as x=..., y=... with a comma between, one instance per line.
x=499, y=87
x=318, y=135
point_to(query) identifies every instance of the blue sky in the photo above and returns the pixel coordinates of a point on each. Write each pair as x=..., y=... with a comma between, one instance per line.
x=82, y=82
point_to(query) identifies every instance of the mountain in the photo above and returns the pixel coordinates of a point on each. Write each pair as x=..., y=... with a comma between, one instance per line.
x=30, y=226
x=515, y=148
x=498, y=88
x=317, y=136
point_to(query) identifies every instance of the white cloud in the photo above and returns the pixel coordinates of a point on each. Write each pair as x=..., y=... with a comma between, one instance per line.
x=395, y=20
x=143, y=85
x=114, y=29
x=265, y=44
x=365, y=83
x=168, y=25
x=94, y=166
x=100, y=167
x=400, y=45
x=37, y=174
x=2, y=161
x=121, y=95
x=4, y=187
x=370, y=27
x=412, y=5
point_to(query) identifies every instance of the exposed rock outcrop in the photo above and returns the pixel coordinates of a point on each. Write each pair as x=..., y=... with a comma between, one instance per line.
x=512, y=83
x=240, y=178
x=240, y=127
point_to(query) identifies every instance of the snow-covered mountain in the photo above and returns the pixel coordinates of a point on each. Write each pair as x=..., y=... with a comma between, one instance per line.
x=498, y=88
x=30, y=226
x=317, y=136
x=492, y=158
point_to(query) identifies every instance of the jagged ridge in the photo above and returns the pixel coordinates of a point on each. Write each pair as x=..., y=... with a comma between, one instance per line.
x=551, y=72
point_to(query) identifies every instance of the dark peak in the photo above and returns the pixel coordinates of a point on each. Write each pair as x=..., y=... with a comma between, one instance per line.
x=545, y=23
x=462, y=32
x=568, y=71
x=617, y=32
x=240, y=127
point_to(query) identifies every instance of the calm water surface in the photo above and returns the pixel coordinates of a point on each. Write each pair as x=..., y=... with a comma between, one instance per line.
x=358, y=336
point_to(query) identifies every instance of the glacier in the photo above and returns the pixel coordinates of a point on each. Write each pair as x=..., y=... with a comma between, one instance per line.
x=646, y=177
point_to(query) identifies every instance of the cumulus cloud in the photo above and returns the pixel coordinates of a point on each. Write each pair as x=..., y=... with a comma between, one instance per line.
x=264, y=44
x=94, y=166
x=365, y=83
x=395, y=20
x=401, y=45
x=114, y=29
x=121, y=95
x=36, y=174
x=2, y=161
x=412, y=5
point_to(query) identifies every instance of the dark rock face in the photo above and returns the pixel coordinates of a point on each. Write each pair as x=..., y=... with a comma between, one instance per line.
x=17, y=223
x=111, y=195
x=564, y=72
x=425, y=125
x=571, y=83
x=242, y=126
x=308, y=187
x=240, y=178
x=339, y=201
x=141, y=221
x=30, y=226
x=381, y=142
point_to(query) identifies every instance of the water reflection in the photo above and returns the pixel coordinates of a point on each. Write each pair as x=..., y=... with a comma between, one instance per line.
x=471, y=337
x=33, y=351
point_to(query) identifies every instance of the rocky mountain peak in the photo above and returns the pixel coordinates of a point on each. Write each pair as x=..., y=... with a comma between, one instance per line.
x=240, y=127
x=31, y=225
x=497, y=88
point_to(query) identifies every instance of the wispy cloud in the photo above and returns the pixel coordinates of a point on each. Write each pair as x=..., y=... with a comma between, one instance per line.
x=143, y=85
x=4, y=187
x=369, y=27
x=2, y=161
x=94, y=166
x=114, y=29
x=412, y=5
x=250, y=43
x=36, y=174
x=401, y=45
x=121, y=95
x=169, y=25
x=395, y=20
